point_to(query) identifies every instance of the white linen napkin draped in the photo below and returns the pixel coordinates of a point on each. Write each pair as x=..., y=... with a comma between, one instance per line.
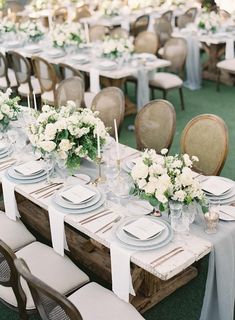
x=143, y=88
x=94, y=80
x=121, y=271
x=58, y=238
x=229, y=49
x=11, y=209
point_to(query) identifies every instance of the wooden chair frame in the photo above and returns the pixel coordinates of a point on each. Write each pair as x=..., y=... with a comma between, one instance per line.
x=5, y=72
x=222, y=124
x=76, y=72
x=137, y=26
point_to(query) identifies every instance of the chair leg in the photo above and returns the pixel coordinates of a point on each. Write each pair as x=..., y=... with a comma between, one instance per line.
x=125, y=88
x=181, y=98
x=152, y=93
x=164, y=94
x=218, y=82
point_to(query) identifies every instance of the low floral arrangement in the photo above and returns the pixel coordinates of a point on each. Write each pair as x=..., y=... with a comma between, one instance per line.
x=159, y=179
x=209, y=21
x=69, y=133
x=141, y=4
x=9, y=109
x=67, y=34
x=111, y=7
x=38, y=5
x=7, y=26
x=116, y=47
x=33, y=29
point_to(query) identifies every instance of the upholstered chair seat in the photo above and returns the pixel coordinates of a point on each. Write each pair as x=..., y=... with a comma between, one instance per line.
x=14, y=233
x=12, y=79
x=24, y=90
x=166, y=81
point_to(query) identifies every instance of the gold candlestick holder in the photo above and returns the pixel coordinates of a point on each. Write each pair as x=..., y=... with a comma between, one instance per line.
x=100, y=178
x=119, y=165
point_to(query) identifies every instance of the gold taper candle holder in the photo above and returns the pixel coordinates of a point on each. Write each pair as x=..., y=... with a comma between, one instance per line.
x=119, y=165
x=100, y=178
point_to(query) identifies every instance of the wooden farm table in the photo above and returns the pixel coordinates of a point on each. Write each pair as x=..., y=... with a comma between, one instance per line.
x=151, y=284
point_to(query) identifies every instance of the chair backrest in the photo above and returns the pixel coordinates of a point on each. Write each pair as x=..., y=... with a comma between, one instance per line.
x=9, y=277
x=22, y=69
x=82, y=12
x=60, y=15
x=45, y=73
x=139, y=25
x=4, y=68
x=206, y=136
x=67, y=71
x=51, y=305
x=155, y=125
x=192, y=12
x=119, y=33
x=168, y=15
x=163, y=29
x=188, y=17
x=97, y=32
x=111, y=105
x=146, y=42
x=175, y=50
x=70, y=89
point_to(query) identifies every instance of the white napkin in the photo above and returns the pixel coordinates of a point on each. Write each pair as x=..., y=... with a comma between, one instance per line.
x=229, y=49
x=11, y=209
x=57, y=230
x=216, y=186
x=121, y=271
x=29, y=168
x=94, y=80
x=143, y=88
x=78, y=194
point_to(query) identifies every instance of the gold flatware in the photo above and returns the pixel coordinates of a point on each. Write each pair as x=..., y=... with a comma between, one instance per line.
x=97, y=217
x=108, y=225
x=49, y=193
x=168, y=257
x=166, y=254
x=6, y=166
x=94, y=215
x=48, y=186
x=6, y=161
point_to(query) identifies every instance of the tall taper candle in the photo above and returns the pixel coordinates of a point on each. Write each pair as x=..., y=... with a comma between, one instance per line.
x=116, y=138
x=28, y=101
x=35, y=102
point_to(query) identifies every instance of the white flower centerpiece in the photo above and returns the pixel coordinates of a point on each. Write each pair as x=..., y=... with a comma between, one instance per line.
x=160, y=179
x=69, y=133
x=141, y=4
x=34, y=30
x=9, y=109
x=67, y=34
x=115, y=47
x=7, y=26
x=110, y=7
x=209, y=22
x=38, y=5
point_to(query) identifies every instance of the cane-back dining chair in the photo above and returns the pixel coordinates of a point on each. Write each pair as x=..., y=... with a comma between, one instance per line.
x=14, y=233
x=111, y=105
x=90, y=302
x=57, y=271
x=97, y=33
x=46, y=74
x=70, y=89
x=188, y=17
x=225, y=66
x=147, y=42
x=60, y=15
x=168, y=15
x=27, y=84
x=155, y=125
x=206, y=136
x=139, y=25
x=175, y=50
x=7, y=75
x=163, y=30
x=67, y=71
x=82, y=12
x=119, y=33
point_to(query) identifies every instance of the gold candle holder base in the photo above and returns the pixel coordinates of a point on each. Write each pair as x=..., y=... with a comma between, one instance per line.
x=100, y=179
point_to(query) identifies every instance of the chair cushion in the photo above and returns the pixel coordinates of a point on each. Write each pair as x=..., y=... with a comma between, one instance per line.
x=165, y=80
x=14, y=233
x=88, y=98
x=48, y=97
x=95, y=302
x=228, y=65
x=161, y=51
x=24, y=88
x=12, y=78
x=58, y=272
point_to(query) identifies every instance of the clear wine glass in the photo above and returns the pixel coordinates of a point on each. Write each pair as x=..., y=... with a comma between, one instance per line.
x=49, y=166
x=13, y=135
x=121, y=186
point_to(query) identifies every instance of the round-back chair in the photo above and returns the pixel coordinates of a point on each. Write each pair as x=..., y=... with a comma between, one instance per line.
x=146, y=42
x=111, y=105
x=119, y=33
x=7, y=76
x=70, y=89
x=188, y=17
x=60, y=15
x=206, y=136
x=155, y=125
x=139, y=25
x=82, y=12
x=163, y=29
x=67, y=71
x=168, y=15
x=97, y=33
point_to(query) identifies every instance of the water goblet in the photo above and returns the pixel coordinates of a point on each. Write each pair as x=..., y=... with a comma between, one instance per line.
x=12, y=135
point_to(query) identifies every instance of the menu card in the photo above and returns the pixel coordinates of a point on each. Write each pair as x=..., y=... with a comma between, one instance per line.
x=216, y=186
x=78, y=194
x=29, y=168
x=144, y=228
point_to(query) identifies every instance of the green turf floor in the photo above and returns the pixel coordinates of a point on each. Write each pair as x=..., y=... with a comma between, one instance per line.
x=185, y=303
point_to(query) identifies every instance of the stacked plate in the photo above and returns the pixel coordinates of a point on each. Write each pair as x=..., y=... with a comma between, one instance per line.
x=95, y=200
x=130, y=241
x=107, y=65
x=14, y=44
x=226, y=190
x=128, y=165
x=15, y=174
x=80, y=59
x=5, y=151
x=32, y=48
x=145, y=56
x=55, y=53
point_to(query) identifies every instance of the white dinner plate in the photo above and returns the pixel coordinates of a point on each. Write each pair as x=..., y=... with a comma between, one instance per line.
x=107, y=65
x=80, y=58
x=55, y=53
x=32, y=49
x=15, y=175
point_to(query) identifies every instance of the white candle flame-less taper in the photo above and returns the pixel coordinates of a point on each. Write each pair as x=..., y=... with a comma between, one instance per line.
x=28, y=101
x=116, y=138
x=35, y=102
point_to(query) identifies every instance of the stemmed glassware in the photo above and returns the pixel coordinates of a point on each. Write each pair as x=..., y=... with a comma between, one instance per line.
x=12, y=135
x=49, y=165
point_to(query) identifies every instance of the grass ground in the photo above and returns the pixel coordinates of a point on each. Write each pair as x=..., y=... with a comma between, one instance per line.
x=186, y=302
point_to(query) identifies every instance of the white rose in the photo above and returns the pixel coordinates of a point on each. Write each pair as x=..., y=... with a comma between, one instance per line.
x=161, y=197
x=195, y=159
x=65, y=145
x=164, y=151
x=141, y=183
x=140, y=171
x=50, y=131
x=62, y=155
x=179, y=195
x=5, y=109
x=150, y=188
x=47, y=146
x=187, y=160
